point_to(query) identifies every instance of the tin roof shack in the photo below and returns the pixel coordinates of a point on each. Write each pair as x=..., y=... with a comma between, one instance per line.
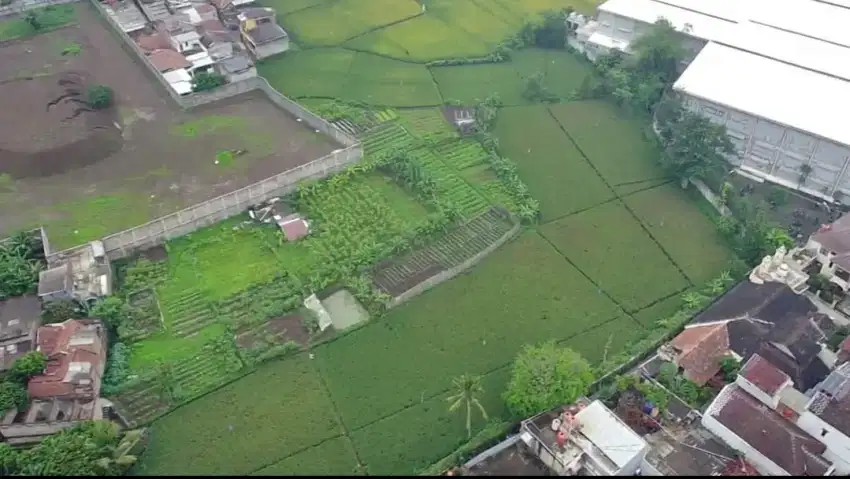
x=19, y=320
x=585, y=439
x=69, y=389
x=83, y=275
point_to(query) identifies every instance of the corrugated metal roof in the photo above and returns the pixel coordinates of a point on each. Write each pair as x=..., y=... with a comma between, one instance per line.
x=617, y=440
x=763, y=87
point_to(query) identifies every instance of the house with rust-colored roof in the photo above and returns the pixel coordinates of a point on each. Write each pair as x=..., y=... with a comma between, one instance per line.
x=768, y=319
x=780, y=430
x=68, y=390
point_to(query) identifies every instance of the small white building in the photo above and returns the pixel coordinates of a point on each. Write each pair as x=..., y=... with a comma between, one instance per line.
x=179, y=80
x=584, y=439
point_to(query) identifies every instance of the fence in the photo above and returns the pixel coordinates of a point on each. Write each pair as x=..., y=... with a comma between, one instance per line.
x=451, y=273
x=20, y=6
x=156, y=232
x=225, y=91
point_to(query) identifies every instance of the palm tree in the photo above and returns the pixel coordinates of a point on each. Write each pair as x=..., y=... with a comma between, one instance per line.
x=692, y=300
x=120, y=458
x=466, y=388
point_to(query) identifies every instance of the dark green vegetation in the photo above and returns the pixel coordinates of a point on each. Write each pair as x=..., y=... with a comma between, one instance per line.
x=21, y=259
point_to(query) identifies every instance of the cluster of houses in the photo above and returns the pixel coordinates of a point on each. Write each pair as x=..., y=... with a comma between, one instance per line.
x=68, y=390
x=786, y=412
x=182, y=39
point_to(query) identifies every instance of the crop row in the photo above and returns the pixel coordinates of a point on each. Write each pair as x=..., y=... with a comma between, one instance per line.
x=463, y=154
x=423, y=122
x=188, y=312
x=450, y=185
x=455, y=247
x=147, y=318
x=389, y=137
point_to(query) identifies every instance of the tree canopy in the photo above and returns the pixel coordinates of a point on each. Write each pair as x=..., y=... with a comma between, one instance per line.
x=27, y=366
x=544, y=377
x=692, y=146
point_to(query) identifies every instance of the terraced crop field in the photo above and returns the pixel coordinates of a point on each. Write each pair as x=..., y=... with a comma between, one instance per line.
x=147, y=318
x=389, y=137
x=395, y=276
x=426, y=122
x=451, y=185
x=462, y=154
x=146, y=399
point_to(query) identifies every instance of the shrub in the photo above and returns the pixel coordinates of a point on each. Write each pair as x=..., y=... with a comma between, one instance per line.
x=12, y=395
x=99, y=97
x=205, y=81
x=535, y=90
x=27, y=366
x=59, y=310
x=117, y=369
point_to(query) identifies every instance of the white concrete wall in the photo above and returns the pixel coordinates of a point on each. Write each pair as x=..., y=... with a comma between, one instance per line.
x=836, y=442
x=764, y=465
x=273, y=48
x=775, y=152
x=770, y=401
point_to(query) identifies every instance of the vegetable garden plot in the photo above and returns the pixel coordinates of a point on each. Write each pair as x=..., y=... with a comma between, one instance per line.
x=471, y=84
x=554, y=171
x=593, y=125
x=688, y=236
x=609, y=245
x=382, y=81
x=426, y=123
x=468, y=16
x=462, y=154
x=390, y=137
x=319, y=72
x=407, y=442
x=236, y=431
x=147, y=318
x=450, y=185
x=421, y=39
x=334, y=457
x=335, y=22
x=458, y=328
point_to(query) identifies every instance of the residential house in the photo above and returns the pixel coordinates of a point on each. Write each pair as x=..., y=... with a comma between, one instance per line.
x=200, y=13
x=186, y=40
x=237, y=68
x=19, y=320
x=68, y=390
x=584, y=439
x=84, y=275
x=827, y=252
x=168, y=60
x=260, y=32
x=230, y=5
x=778, y=429
x=768, y=319
x=217, y=39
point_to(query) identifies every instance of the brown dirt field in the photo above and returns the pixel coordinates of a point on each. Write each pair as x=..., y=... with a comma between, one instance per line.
x=289, y=326
x=166, y=157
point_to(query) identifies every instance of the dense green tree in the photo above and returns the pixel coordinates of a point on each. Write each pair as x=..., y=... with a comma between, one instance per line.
x=466, y=389
x=12, y=395
x=99, y=97
x=112, y=310
x=692, y=146
x=657, y=54
x=27, y=366
x=544, y=377
x=60, y=310
x=20, y=262
x=204, y=81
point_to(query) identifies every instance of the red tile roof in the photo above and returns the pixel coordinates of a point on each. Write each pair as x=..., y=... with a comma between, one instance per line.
x=166, y=60
x=700, y=350
x=739, y=467
x=58, y=379
x=764, y=375
x=155, y=41
x=779, y=440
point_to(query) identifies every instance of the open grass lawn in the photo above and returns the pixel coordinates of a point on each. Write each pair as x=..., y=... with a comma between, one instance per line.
x=421, y=39
x=563, y=72
x=275, y=412
x=335, y=22
x=615, y=145
x=330, y=458
x=319, y=72
x=611, y=247
x=458, y=328
x=685, y=233
x=555, y=172
x=382, y=81
x=49, y=18
x=471, y=84
x=468, y=16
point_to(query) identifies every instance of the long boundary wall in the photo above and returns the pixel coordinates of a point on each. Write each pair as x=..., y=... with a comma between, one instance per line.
x=451, y=273
x=158, y=231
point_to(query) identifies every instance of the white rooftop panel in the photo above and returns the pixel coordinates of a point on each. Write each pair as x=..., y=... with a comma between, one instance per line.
x=617, y=440
x=798, y=98
x=700, y=25
x=799, y=50
x=806, y=17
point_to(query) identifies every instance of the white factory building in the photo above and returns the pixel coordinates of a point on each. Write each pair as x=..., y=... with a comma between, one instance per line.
x=775, y=72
